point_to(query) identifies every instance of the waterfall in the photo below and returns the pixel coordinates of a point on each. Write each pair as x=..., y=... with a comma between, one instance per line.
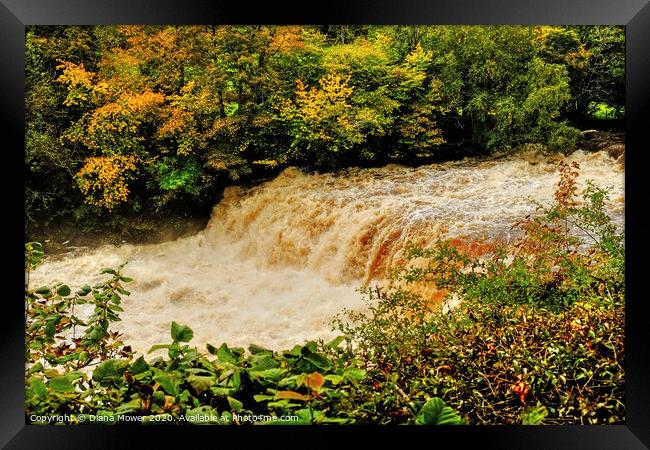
x=277, y=261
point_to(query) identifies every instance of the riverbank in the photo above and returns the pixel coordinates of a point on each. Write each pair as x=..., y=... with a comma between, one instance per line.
x=65, y=238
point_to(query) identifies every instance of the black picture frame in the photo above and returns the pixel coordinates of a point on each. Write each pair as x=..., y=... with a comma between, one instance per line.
x=634, y=14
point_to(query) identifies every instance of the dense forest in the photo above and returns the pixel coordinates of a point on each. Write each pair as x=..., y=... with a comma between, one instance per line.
x=127, y=124
x=331, y=154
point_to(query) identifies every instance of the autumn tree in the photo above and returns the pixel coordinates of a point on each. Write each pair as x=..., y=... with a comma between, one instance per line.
x=121, y=118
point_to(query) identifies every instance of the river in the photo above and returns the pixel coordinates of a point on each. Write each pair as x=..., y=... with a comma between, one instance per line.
x=277, y=261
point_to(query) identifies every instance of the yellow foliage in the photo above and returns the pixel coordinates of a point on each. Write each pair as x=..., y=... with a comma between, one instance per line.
x=286, y=39
x=419, y=57
x=326, y=113
x=176, y=122
x=384, y=42
x=331, y=99
x=80, y=82
x=578, y=59
x=75, y=74
x=119, y=118
x=420, y=130
x=102, y=179
x=266, y=162
x=166, y=48
x=341, y=57
x=164, y=43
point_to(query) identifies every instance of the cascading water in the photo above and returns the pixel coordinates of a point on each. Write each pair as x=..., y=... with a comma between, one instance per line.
x=278, y=261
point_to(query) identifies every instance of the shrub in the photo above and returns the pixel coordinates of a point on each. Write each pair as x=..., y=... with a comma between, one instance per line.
x=541, y=324
x=492, y=362
x=563, y=138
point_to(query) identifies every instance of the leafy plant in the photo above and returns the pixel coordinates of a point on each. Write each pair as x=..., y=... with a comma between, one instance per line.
x=534, y=415
x=54, y=354
x=435, y=412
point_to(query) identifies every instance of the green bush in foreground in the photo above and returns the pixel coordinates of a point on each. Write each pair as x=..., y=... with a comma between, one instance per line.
x=493, y=363
x=537, y=339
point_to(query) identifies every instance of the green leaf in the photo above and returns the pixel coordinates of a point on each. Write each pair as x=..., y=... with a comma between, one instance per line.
x=50, y=326
x=435, y=412
x=295, y=351
x=38, y=387
x=283, y=404
x=236, y=380
x=316, y=359
x=257, y=349
x=43, y=290
x=139, y=365
x=158, y=397
x=226, y=418
x=235, y=405
x=61, y=384
x=133, y=406
x=355, y=373
x=51, y=373
x=203, y=415
x=262, y=361
x=63, y=290
x=168, y=384
x=68, y=357
x=221, y=391
x=85, y=290
x=211, y=349
x=158, y=347
x=337, y=420
x=184, y=397
x=534, y=415
x=269, y=374
x=181, y=333
x=334, y=379
x=309, y=346
x=335, y=342
x=225, y=355
x=35, y=368
x=201, y=383
x=304, y=418
x=109, y=371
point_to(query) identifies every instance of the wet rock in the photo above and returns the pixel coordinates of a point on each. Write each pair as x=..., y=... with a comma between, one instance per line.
x=616, y=151
x=613, y=143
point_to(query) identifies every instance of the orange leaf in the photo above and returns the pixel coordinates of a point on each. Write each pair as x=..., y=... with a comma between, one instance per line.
x=521, y=390
x=315, y=381
x=290, y=395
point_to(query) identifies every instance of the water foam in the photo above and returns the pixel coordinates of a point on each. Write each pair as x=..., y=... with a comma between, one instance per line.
x=277, y=261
